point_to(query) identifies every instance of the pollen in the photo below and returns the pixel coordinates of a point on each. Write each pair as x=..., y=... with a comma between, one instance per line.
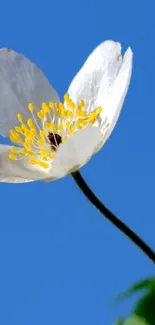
x=80, y=113
x=51, y=105
x=99, y=110
x=19, y=117
x=48, y=126
x=92, y=117
x=60, y=127
x=12, y=157
x=45, y=108
x=42, y=133
x=14, y=149
x=66, y=98
x=30, y=123
x=40, y=114
x=30, y=107
x=18, y=129
x=43, y=152
x=81, y=104
x=41, y=141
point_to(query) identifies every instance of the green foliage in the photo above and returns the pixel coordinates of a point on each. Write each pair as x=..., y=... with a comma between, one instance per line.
x=146, y=307
x=144, y=311
x=119, y=322
x=134, y=320
x=146, y=285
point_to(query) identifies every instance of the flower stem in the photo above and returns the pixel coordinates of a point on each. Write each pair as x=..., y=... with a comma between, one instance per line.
x=111, y=217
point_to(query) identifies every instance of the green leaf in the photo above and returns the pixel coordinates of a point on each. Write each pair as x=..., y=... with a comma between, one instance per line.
x=145, y=307
x=135, y=320
x=142, y=285
x=119, y=321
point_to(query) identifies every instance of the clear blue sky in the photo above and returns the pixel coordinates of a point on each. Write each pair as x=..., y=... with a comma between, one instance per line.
x=61, y=262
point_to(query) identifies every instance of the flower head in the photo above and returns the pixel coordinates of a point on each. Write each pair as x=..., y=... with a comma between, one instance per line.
x=52, y=138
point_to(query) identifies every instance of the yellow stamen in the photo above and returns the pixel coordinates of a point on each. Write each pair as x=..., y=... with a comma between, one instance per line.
x=61, y=106
x=14, y=149
x=30, y=123
x=81, y=104
x=27, y=145
x=42, y=134
x=24, y=128
x=80, y=124
x=18, y=129
x=31, y=137
x=30, y=107
x=64, y=139
x=69, y=114
x=16, y=138
x=47, y=125
x=51, y=125
x=66, y=98
x=23, y=152
x=43, y=152
x=52, y=155
x=35, y=137
x=92, y=117
x=19, y=117
x=71, y=104
x=33, y=162
x=68, y=124
x=40, y=115
x=12, y=157
x=30, y=154
x=99, y=110
x=44, y=165
x=51, y=104
x=80, y=113
x=70, y=131
x=60, y=127
x=41, y=141
x=63, y=113
x=45, y=108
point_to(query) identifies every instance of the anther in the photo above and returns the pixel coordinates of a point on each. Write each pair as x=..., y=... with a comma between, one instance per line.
x=14, y=149
x=19, y=117
x=12, y=157
x=30, y=107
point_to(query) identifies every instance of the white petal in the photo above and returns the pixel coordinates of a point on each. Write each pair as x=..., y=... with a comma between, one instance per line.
x=21, y=82
x=9, y=179
x=103, y=81
x=115, y=99
x=75, y=152
x=102, y=65
x=17, y=171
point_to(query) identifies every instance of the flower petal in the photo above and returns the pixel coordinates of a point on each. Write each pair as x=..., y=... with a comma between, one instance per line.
x=21, y=82
x=116, y=98
x=17, y=171
x=103, y=81
x=75, y=152
x=101, y=66
x=9, y=179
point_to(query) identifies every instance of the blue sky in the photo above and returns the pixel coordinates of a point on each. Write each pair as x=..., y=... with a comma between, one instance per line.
x=61, y=262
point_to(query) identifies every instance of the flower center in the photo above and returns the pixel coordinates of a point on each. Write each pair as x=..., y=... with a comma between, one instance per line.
x=39, y=137
x=55, y=140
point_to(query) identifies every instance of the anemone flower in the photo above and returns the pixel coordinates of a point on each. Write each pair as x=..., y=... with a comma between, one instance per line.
x=52, y=138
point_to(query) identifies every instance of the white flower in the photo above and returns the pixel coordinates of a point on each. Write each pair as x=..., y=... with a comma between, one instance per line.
x=52, y=139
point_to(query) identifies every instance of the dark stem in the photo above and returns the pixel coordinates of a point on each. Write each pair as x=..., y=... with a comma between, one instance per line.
x=111, y=217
